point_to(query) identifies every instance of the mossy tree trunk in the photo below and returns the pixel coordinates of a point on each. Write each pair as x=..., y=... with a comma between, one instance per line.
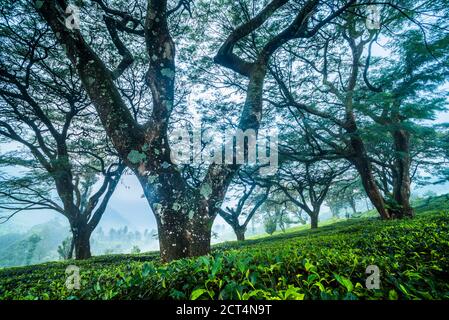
x=402, y=180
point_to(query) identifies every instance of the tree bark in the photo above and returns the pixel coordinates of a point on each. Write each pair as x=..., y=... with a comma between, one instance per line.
x=364, y=168
x=402, y=181
x=371, y=189
x=173, y=238
x=240, y=233
x=184, y=216
x=81, y=242
x=180, y=238
x=200, y=230
x=314, y=220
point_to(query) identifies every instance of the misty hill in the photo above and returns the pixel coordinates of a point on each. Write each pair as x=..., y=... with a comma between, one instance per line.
x=113, y=219
x=38, y=244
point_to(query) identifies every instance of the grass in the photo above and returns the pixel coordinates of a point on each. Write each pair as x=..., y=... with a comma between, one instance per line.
x=327, y=263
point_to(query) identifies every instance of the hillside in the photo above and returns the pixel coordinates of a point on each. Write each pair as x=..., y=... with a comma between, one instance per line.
x=327, y=263
x=16, y=248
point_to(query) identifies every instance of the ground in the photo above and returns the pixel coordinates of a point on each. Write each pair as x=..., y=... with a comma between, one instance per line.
x=328, y=263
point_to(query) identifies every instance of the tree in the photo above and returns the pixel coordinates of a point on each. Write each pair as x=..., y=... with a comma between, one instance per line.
x=46, y=114
x=345, y=193
x=406, y=94
x=65, y=250
x=31, y=244
x=306, y=171
x=270, y=224
x=248, y=201
x=307, y=185
x=334, y=119
x=279, y=208
x=184, y=214
x=335, y=204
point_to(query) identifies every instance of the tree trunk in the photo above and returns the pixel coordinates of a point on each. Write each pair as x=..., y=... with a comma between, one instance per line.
x=200, y=231
x=183, y=217
x=334, y=211
x=314, y=221
x=178, y=240
x=81, y=242
x=181, y=235
x=240, y=233
x=401, y=188
x=173, y=237
x=363, y=167
x=353, y=205
x=371, y=189
x=359, y=156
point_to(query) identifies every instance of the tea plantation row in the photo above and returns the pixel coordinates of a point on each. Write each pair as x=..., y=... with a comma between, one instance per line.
x=327, y=263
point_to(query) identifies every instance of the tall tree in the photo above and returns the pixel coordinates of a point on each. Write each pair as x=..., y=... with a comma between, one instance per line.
x=248, y=198
x=335, y=120
x=184, y=214
x=46, y=116
x=407, y=92
x=345, y=193
x=307, y=185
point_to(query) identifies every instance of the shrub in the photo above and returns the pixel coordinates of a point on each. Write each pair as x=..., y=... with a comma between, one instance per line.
x=326, y=263
x=135, y=250
x=270, y=225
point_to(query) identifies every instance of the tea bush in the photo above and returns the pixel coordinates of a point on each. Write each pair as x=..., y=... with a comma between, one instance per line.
x=326, y=263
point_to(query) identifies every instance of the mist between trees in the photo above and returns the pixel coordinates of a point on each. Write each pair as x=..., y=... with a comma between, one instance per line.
x=102, y=88
x=236, y=147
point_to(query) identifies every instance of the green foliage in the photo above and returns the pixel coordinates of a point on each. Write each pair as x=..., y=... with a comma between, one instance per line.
x=136, y=157
x=32, y=244
x=327, y=263
x=64, y=250
x=135, y=250
x=270, y=225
